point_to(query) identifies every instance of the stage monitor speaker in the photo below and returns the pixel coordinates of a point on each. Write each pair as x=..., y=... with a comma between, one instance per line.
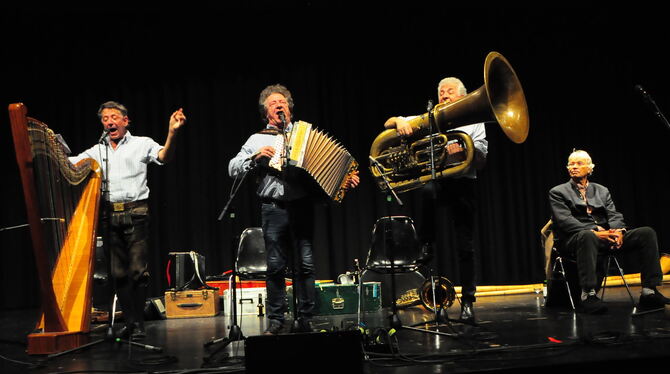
x=305, y=353
x=185, y=270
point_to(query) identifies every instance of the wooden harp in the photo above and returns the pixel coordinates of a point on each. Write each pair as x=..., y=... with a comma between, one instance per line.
x=62, y=203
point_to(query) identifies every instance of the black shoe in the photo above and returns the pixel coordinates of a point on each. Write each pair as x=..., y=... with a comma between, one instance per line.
x=467, y=312
x=134, y=331
x=593, y=305
x=655, y=300
x=274, y=327
x=125, y=331
x=303, y=325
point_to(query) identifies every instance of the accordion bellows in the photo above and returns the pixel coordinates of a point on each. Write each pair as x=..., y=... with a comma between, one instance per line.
x=312, y=150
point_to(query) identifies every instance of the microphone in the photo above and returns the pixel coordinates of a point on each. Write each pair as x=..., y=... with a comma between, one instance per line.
x=282, y=117
x=430, y=105
x=102, y=137
x=641, y=91
x=651, y=102
x=644, y=94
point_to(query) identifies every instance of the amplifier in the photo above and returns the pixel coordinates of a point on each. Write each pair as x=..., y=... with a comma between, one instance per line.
x=333, y=352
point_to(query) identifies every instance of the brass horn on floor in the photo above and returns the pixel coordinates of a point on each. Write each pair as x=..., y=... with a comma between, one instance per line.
x=445, y=295
x=406, y=162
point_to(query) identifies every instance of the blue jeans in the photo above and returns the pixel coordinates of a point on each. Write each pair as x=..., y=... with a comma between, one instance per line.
x=288, y=230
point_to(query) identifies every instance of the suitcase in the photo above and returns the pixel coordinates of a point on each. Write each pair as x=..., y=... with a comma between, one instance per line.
x=192, y=303
x=250, y=301
x=333, y=299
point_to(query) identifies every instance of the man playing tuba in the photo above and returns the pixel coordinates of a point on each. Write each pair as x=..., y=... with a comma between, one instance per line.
x=456, y=194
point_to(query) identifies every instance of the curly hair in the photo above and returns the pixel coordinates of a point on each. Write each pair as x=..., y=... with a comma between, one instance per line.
x=269, y=90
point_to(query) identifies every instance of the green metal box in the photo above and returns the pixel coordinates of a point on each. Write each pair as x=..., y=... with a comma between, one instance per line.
x=332, y=298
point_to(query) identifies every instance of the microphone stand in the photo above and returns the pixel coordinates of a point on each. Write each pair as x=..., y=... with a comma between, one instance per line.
x=105, y=235
x=439, y=312
x=431, y=121
x=295, y=327
x=235, y=333
x=394, y=319
x=656, y=110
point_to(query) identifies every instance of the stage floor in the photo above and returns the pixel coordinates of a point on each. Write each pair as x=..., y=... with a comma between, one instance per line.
x=514, y=333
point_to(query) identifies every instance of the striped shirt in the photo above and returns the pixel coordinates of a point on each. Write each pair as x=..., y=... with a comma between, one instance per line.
x=127, y=166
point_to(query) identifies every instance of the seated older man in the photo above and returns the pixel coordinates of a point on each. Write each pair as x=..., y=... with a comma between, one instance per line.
x=586, y=223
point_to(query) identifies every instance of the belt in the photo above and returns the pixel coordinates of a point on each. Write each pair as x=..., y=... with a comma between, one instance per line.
x=121, y=207
x=277, y=203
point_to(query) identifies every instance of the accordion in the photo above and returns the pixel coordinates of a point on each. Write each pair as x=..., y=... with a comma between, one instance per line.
x=318, y=154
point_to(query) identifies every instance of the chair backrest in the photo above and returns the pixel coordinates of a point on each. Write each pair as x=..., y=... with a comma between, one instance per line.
x=251, y=259
x=394, y=237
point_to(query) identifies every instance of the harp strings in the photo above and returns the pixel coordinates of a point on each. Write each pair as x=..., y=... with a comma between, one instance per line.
x=59, y=187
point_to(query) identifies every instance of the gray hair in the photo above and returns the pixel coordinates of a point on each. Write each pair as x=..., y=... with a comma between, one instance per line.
x=112, y=105
x=461, y=87
x=583, y=154
x=269, y=90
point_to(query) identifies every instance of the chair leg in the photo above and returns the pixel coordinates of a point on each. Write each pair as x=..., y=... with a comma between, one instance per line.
x=559, y=262
x=230, y=305
x=604, y=284
x=616, y=262
x=612, y=258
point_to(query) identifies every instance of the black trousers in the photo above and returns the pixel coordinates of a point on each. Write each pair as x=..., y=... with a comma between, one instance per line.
x=458, y=197
x=585, y=246
x=288, y=230
x=126, y=236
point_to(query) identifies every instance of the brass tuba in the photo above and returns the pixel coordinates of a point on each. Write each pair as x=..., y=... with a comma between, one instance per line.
x=406, y=163
x=444, y=295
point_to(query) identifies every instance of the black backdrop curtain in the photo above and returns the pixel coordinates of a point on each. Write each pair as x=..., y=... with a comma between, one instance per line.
x=348, y=69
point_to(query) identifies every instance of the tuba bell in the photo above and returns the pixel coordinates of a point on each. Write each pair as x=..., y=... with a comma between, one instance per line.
x=443, y=297
x=406, y=162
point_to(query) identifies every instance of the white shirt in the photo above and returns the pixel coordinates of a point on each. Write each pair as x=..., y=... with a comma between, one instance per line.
x=127, y=166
